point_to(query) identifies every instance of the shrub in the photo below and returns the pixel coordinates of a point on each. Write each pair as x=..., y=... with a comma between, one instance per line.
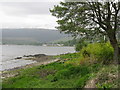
x=99, y=51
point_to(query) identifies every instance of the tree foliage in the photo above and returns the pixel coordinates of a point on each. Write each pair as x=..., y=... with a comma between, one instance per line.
x=87, y=17
x=90, y=19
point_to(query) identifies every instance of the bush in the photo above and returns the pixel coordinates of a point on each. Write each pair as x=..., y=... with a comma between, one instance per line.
x=99, y=51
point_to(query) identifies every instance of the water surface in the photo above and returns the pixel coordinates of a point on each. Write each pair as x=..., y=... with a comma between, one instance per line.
x=9, y=52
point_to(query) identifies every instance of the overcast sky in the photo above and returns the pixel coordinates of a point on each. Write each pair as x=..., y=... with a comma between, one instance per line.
x=27, y=14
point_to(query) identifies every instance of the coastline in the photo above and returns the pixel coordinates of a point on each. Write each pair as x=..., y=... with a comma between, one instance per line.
x=11, y=52
x=65, y=72
x=40, y=60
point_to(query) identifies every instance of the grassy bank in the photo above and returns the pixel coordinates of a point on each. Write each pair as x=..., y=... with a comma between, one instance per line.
x=75, y=70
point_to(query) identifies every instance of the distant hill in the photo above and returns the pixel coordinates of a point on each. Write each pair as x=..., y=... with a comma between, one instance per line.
x=31, y=36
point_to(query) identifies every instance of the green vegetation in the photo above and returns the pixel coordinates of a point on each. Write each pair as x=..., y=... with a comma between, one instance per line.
x=74, y=70
x=91, y=20
x=80, y=44
x=95, y=66
x=99, y=51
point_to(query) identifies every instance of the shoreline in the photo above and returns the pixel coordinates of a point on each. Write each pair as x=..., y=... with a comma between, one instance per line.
x=38, y=58
x=28, y=60
x=31, y=45
x=43, y=60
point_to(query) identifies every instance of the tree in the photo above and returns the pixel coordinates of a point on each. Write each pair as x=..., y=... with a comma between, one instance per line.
x=90, y=18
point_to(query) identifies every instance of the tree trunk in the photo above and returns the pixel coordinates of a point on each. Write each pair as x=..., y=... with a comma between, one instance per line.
x=114, y=43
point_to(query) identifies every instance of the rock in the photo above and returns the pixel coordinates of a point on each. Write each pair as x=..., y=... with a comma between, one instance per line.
x=39, y=55
x=36, y=55
x=28, y=56
x=18, y=58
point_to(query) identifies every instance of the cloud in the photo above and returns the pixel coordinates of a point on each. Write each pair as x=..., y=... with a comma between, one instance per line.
x=31, y=21
x=27, y=14
x=24, y=8
x=31, y=0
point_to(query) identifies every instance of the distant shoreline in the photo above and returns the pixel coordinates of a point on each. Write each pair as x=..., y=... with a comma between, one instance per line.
x=32, y=45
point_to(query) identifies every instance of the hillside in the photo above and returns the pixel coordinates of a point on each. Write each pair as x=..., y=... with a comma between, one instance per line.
x=31, y=36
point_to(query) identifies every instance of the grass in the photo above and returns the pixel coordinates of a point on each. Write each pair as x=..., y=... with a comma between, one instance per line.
x=54, y=75
x=72, y=71
x=59, y=75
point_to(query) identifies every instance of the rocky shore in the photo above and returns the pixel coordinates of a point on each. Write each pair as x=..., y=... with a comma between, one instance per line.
x=40, y=59
x=36, y=57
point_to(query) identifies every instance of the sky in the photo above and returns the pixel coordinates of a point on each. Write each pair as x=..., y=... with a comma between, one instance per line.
x=27, y=14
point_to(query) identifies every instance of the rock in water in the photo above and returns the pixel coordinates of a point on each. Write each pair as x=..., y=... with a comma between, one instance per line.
x=18, y=58
x=39, y=55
